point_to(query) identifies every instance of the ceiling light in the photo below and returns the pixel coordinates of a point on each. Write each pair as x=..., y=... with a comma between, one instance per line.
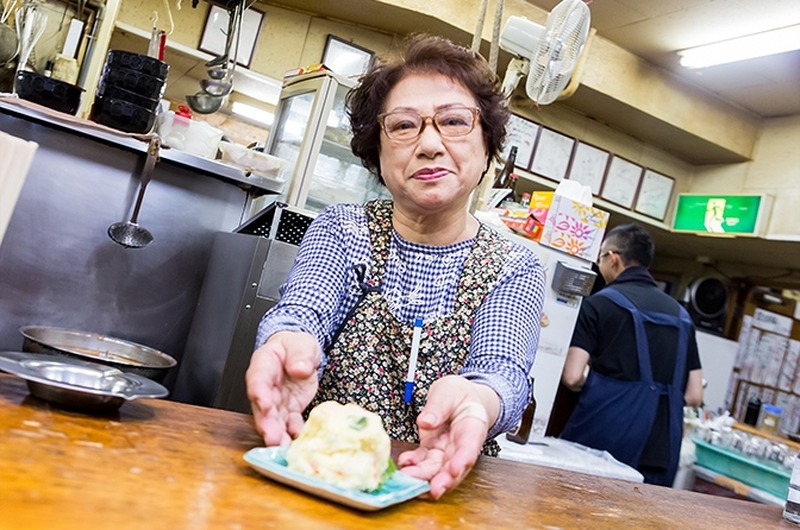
x=741, y=48
x=251, y=113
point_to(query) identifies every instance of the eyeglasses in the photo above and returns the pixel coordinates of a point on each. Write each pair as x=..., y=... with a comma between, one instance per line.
x=450, y=122
x=606, y=253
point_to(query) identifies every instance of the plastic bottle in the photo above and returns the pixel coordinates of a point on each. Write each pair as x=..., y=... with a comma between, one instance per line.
x=771, y=418
x=791, y=512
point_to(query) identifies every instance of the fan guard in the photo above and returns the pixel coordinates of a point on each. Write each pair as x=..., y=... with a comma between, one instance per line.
x=708, y=297
x=546, y=54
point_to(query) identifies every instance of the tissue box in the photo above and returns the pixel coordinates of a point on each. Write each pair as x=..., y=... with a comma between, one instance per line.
x=574, y=227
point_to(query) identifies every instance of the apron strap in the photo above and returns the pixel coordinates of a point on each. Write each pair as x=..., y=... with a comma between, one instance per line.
x=682, y=322
x=642, y=347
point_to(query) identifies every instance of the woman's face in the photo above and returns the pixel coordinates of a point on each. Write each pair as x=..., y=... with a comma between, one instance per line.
x=431, y=173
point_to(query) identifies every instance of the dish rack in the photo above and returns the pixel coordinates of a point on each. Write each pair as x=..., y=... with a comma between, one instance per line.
x=280, y=222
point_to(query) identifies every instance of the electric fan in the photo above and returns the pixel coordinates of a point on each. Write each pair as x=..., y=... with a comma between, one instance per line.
x=546, y=54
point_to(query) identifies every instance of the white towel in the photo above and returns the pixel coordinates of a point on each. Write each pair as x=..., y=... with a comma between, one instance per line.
x=16, y=155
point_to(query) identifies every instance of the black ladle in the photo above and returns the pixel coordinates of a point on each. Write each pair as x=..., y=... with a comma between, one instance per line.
x=130, y=234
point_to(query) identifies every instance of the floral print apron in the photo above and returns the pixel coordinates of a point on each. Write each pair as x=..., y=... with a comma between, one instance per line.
x=368, y=359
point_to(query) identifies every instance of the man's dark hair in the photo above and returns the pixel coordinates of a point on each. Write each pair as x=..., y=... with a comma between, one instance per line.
x=633, y=244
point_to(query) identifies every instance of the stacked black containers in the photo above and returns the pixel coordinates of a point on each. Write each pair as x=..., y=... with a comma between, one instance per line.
x=129, y=91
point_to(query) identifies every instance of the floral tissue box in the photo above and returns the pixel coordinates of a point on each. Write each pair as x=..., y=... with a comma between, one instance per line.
x=574, y=228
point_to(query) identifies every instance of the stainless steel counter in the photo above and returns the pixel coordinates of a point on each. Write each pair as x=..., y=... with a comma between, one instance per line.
x=58, y=266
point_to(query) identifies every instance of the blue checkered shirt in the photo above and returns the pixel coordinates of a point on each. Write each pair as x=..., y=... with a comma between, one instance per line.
x=419, y=281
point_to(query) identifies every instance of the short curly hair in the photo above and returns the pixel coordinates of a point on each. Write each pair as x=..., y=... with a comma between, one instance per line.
x=424, y=54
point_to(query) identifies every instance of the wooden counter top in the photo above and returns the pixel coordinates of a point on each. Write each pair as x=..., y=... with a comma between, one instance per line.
x=160, y=464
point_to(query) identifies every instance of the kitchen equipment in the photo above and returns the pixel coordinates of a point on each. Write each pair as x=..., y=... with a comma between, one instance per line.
x=312, y=133
x=136, y=61
x=217, y=72
x=127, y=356
x=77, y=384
x=224, y=57
x=755, y=472
x=217, y=87
x=146, y=85
x=242, y=281
x=9, y=44
x=112, y=92
x=252, y=161
x=204, y=103
x=48, y=92
x=209, y=100
x=130, y=234
x=180, y=131
x=122, y=115
x=30, y=23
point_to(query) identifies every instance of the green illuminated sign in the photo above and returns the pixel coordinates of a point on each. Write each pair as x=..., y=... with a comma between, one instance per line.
x=717, y=214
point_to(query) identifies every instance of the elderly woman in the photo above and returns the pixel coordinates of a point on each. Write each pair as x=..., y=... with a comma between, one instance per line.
x=428, y=124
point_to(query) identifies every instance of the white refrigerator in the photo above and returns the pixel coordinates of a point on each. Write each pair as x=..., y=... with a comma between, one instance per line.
x=567, y=280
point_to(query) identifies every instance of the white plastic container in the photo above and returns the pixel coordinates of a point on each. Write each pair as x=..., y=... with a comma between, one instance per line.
x=252, y=161
x=193, y=136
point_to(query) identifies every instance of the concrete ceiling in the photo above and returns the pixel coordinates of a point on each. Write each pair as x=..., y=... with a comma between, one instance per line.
x=656, y=29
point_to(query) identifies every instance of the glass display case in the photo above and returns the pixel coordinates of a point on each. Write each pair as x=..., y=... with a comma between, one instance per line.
x=312, y=132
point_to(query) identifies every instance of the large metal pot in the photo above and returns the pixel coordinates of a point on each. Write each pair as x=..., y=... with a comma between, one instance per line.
x=121, y=354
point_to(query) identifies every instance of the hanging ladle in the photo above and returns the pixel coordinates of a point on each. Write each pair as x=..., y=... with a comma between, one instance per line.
x=130, y=234
x=222, y=58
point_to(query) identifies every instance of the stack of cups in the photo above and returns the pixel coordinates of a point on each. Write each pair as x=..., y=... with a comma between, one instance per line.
x=129, y=92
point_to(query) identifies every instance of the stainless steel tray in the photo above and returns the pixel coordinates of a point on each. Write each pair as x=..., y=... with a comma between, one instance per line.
x=78, y=384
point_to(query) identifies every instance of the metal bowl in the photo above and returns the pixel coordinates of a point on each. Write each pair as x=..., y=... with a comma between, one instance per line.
x=76, y=384
x=126, y=356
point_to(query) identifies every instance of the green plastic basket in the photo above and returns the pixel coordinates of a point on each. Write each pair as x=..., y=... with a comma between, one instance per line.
x=760, y=475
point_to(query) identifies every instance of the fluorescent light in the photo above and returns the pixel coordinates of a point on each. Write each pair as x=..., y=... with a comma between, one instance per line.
x=252, y=113
x=748, y=47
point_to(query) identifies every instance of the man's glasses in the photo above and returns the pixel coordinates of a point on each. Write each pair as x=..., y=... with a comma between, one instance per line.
x=407, y=125
x=606, y=253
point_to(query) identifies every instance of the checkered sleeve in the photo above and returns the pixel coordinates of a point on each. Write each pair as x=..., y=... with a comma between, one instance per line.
x=317, y=293
x=505, y=335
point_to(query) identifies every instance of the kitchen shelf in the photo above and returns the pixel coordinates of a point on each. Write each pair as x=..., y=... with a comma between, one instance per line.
x=137, y=143
x=245, y=81
x=768, y=435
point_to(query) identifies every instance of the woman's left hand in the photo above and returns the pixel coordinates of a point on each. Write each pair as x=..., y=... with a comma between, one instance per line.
x=452, y=429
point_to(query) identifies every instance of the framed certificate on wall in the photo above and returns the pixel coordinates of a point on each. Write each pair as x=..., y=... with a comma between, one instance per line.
x=654, y=195
x=346, y=58
x=552, y=154
x=621, y=182
x=216, y=28
x=522, y=133
x=588, y=166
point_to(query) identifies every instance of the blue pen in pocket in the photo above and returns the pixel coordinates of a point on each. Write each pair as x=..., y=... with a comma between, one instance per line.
x=412, y=360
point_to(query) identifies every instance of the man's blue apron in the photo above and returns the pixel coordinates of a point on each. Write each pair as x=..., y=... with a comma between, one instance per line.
x=618, y=416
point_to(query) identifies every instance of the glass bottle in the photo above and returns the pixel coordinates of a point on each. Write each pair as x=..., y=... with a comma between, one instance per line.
x=504, y=178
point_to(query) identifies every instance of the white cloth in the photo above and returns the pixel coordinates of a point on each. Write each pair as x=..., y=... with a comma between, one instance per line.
x=16, y=156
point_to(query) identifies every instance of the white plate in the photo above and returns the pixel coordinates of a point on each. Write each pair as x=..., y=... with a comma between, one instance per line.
x=270, y=462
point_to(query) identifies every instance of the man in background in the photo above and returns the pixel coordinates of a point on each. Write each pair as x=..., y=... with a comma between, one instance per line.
x=634, y=359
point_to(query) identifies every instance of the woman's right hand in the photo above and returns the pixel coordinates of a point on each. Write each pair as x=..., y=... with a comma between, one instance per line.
x=281, y=382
